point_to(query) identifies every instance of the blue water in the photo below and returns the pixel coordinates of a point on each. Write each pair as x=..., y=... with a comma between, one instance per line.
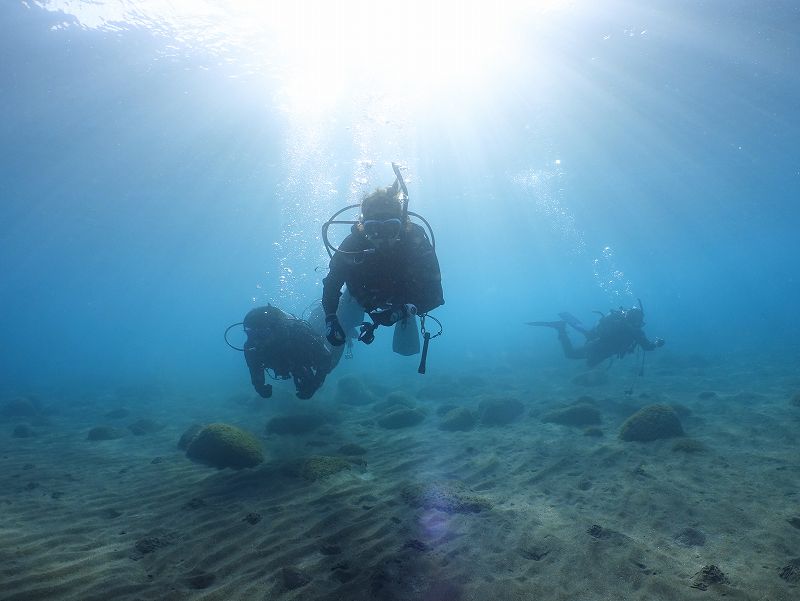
x=156, y=186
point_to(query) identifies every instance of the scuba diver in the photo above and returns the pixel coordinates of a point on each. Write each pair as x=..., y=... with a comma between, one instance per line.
x=617, y=333
x=390, y=269
x=288, y=346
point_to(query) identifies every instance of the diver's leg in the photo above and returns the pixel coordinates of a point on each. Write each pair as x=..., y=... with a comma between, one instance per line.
x=570, y=352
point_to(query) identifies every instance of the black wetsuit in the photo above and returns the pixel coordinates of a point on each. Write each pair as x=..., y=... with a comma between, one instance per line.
x=613, y=335
x=406, y=272
x=290, y=348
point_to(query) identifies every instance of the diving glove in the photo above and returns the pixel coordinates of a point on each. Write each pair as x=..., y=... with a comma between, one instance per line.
x=333, y=330
x=659, y=342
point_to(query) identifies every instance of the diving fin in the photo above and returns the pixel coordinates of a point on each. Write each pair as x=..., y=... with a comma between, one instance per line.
x=574, y=322
x=558, y=325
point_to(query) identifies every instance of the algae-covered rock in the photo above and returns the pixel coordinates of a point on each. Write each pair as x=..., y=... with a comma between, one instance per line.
x=295, y=424
x=189, y=435
x=499, y=412
x=23, y=431
x=449, y=496
x=26, y=406
x=318, y=467
x=594, y=377
x=401, y=418
x=791, y=571
x=104, y=433
x=350, y=390
x=690, y=537
x=579, y=414
x=708, y=576
x=145, y=426
x=651, y=423
x=395, y=400
x=458, y=419
x=222, y=445
x=689, y=446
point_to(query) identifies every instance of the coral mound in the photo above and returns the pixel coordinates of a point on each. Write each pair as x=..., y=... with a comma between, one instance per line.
x=222, y=445
x=350, y=390
x=459, y=418
x=651, y=423
x=499, y=412
x=579, y=414
x=318, y=467
x=401, y=418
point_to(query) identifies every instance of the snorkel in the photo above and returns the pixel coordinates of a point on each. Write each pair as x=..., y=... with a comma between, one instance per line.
x=404, y=196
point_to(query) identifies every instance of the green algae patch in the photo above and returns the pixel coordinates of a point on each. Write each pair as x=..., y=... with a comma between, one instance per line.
x=318, y=467
x=223, y=445
x=448, y=496
x=651, y=423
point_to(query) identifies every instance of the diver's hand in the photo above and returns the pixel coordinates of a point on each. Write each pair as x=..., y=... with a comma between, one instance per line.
x=333, y=330
x=264, y=390
x=659, y=342
x=393, y=314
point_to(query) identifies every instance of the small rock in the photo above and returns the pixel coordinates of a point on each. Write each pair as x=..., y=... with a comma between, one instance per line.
x=709, y=575
x=690, y=446
x=187, y=437
x=401, y=418
x=690, y=537
x=415, y=544
x=252, y=518
x=791, y=571
x=23, y=431
x=318, y=467
x=597, y=531
x=651, y=423
x=458, y=419
x=581, y=414
x=194, y=504
x=500, y=412
x=149, y=544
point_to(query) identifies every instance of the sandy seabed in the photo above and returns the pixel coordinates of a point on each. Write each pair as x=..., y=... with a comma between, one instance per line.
x=511, y=508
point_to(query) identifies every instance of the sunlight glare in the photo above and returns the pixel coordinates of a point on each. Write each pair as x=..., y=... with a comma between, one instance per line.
x=324, y=53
